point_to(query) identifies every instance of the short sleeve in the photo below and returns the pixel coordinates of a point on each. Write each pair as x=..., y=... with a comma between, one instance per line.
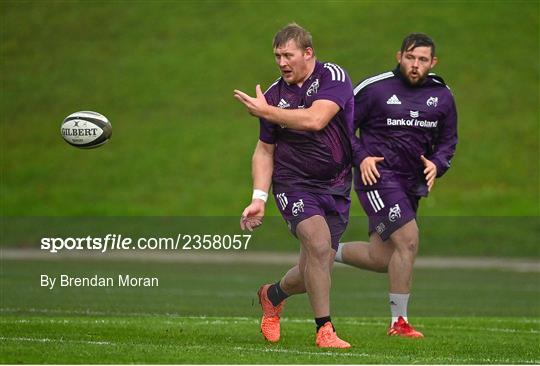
x=267, y=131
x=335, y=85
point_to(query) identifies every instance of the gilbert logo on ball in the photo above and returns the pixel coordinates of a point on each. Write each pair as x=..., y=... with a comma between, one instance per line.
x=86, y=129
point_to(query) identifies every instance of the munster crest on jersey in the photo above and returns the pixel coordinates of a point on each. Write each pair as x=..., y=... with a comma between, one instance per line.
x=432, y=101
x=313, y=88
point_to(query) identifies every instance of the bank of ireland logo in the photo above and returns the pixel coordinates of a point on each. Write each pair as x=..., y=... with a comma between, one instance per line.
x=394, y=213
x=432, y=101
x=414, y=114
x=298, y=207
x=313, y=88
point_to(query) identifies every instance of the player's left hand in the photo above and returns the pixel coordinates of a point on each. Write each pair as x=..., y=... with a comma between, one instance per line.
x=256, y=106
x=252, y=216
x=430, y=171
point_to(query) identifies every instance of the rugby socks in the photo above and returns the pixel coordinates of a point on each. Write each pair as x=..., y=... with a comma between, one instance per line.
x=322, y=321
x=398, y=306
x=276, y=294
x=339, y=253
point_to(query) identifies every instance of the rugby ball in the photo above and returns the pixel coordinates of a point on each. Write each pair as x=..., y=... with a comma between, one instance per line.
x=86, y=129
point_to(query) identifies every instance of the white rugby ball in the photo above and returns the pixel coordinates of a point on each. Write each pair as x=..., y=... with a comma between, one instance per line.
x=86, y=129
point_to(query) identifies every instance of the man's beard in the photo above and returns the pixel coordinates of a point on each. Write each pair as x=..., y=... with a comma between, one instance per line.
x=418, y=81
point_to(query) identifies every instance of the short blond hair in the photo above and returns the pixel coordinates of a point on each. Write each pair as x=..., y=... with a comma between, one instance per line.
x=293, y=31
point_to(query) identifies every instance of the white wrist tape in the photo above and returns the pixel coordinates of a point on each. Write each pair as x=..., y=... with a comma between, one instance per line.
x=259, y=194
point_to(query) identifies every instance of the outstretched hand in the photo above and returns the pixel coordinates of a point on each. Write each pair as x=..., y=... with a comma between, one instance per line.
x=256, y=106
x=252, y=215
x=430, y=171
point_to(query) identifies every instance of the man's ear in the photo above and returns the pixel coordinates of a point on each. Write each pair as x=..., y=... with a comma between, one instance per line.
x=398, y=57
x=434, y=62
x=308, y=52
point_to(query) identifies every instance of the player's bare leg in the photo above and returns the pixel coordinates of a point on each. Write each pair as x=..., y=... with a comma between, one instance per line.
x=272, y=297
x=400, y=267
x=293, y=281
x=314, y=236
x=373, y=256
x=400, y=270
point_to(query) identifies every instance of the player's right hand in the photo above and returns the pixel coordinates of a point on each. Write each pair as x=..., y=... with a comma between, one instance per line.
x=252, y=215
x=368, y=170
x=257, y=106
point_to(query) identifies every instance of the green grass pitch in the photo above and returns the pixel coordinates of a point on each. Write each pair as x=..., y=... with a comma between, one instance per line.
x=204, y=313
x=163, y=72
x=101, y=338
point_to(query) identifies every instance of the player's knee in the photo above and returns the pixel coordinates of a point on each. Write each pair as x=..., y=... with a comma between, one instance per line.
x=405, y=239
x=319, y=251
x=407, y=244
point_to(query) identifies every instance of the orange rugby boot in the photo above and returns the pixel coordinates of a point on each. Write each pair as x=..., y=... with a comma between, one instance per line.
x=270, y=327
x=327, y=338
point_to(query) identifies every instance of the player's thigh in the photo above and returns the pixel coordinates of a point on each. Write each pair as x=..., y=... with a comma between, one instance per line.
x=305, y=215
x=296, y=207
x=314, y=235
x=406, y=237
